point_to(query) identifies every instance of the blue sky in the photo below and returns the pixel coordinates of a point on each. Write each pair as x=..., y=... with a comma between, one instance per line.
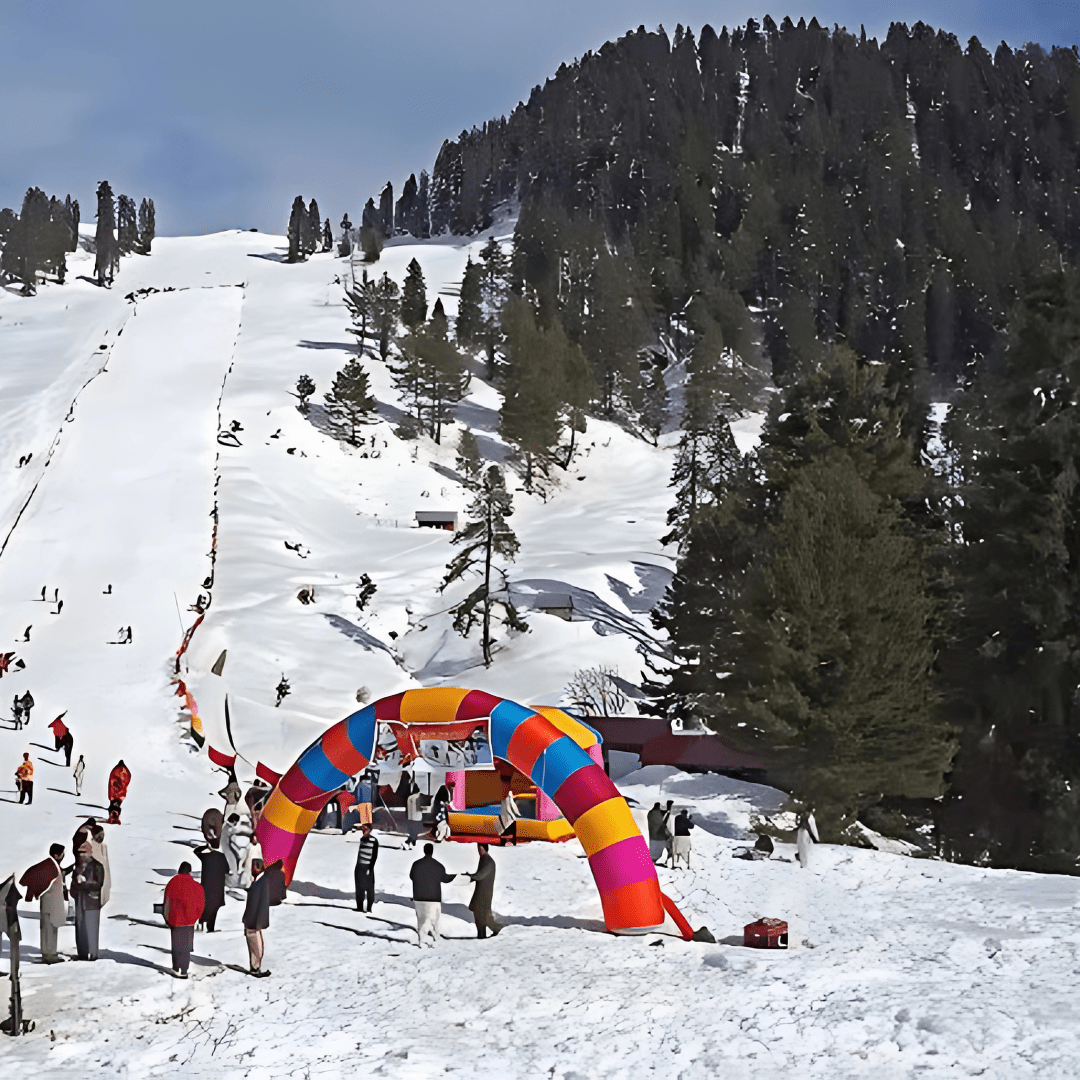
x=223, y=111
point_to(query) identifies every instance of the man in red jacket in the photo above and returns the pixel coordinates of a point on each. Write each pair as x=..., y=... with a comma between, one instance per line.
x=184, y=902
x=119, y=779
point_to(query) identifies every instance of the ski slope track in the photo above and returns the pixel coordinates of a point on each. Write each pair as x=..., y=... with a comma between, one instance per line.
x=899, y=967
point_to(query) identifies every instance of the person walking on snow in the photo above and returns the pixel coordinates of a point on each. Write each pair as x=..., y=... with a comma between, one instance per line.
x=77, y=773
x=414, y=815
x=214, y=868
x=24, y=780
x=364, y=874
x=440, y=813
x=184, y=902
x=480, y=904
x=265, y=892
x=27, y=704
x=119, y=779
x=680, y=842
x=657, y=838
x=87, y=879
x=805, y=838
x=428, y=877
x=17, y=712
x=62, y=737
x=508, y=819
x=44, y=882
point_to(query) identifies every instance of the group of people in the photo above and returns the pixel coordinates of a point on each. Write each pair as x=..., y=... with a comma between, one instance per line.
x=65, y=741
x=87, y=886
x=669, y=834
x=20, y=709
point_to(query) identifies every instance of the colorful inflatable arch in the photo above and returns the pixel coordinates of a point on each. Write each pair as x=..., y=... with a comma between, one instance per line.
x=531, y=743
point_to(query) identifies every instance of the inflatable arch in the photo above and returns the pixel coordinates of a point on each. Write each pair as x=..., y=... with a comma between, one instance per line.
x=617, y=852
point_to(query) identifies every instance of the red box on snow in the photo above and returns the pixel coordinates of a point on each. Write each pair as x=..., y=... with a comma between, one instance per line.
x=765, y=934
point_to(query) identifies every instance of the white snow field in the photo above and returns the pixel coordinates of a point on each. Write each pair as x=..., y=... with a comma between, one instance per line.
x=899, y=967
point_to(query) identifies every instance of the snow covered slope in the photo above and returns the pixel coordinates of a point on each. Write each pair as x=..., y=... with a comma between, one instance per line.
x=898, y=967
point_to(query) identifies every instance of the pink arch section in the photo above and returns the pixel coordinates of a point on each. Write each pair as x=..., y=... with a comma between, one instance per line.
x=618, y=855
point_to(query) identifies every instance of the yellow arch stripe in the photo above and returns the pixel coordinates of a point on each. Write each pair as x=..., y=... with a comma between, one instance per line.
x=567, y=725
x=605, y=824
x=433, y=704
x=285, y=814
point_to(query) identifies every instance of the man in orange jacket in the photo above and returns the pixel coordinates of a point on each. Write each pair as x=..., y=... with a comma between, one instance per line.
x=24, y=777
x=184, y=902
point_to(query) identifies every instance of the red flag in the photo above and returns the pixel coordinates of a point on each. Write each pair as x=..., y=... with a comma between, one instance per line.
x=226, y=761
x=264, y=772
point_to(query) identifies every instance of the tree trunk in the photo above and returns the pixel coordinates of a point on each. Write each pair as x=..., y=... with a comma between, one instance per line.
x=486, y=636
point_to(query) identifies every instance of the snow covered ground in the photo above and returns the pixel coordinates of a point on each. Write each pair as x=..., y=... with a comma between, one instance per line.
x=898, y=967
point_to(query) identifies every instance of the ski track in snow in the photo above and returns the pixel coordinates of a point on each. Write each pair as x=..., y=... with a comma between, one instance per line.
x=898, y=967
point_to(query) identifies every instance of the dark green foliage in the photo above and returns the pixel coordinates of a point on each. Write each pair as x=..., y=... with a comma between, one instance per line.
x=305, y=387
x=707, y=465
x=469, y=463
x=385, y=309
x=107, y=260
x=372, y=236
x=494, y=287
x=147, y=226
x=431, y=374
x=386, y=210
x=410, y=212
x=468, y=327
x=1014, y=666
x=366, y=590
x=361, y=304
x=805, y=614
x=488, y=541
x=413, y=296
x=311, y=229
x=327, y=236
x=37, y=240
x=346, y=242
x=544, y=378
x=71, y=216
x=127, y=225
x=297, y=230
x=349, y=404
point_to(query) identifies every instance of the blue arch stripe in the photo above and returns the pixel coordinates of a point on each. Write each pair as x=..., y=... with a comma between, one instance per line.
x=315, y=765
x=561, y=759
x=505, y=718
x=361, y=731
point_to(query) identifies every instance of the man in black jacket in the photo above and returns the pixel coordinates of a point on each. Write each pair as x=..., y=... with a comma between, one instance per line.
x=428, y=876
x=265, y=892
x=364, y=874
x=480, y=904
x=87, y=878
x=214, y=868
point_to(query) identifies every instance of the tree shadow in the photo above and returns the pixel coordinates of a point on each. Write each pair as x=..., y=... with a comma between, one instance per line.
x=343, y=346
x=368, y=933
x=269, y=256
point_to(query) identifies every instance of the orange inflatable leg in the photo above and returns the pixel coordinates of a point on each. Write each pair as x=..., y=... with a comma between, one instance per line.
x=678, y=918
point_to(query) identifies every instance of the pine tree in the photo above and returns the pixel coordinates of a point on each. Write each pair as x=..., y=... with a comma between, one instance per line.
x=1014, y=663
x=494, y=287
x=386, y=210
x=346, y=245
x=469, y=463
x=468, y=327
x=349, y=404
x=805, y=614
x=539, y=373
x=147, y=226
x=413, y=296
x=311, y=229
x=386, y=306
x=361, y=304
x=327, y=236
x=423, y=213
x=305, y=387
x=654, y=407
x=371, y=235
x=707, y=463
x=127, y=227
x=297, y=227
x=488, y=540
x=72, y=207
x=107, y=260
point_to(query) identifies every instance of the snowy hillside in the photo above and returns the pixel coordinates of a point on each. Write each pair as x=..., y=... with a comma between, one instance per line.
x=898, y=967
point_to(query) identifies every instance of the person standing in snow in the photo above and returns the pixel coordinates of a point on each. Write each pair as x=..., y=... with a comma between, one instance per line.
x=364, y=874
x=77, y=773
x=211, y=826
x=480, y=904
x=27, y=704
x=16, y=709
x=680, y=842
x=101, y=853
x=214, y=868
x=428, y=876
x=657, y=837
x=805, y=838
x=82, y=834
x=87, y=879
x=265, y=892
x=414, y=815
x=62, y=737
x=184, y=904
x=508, y=819
x=119, y=779
x=440, y=813
x=24, y=780
x=45, y=882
